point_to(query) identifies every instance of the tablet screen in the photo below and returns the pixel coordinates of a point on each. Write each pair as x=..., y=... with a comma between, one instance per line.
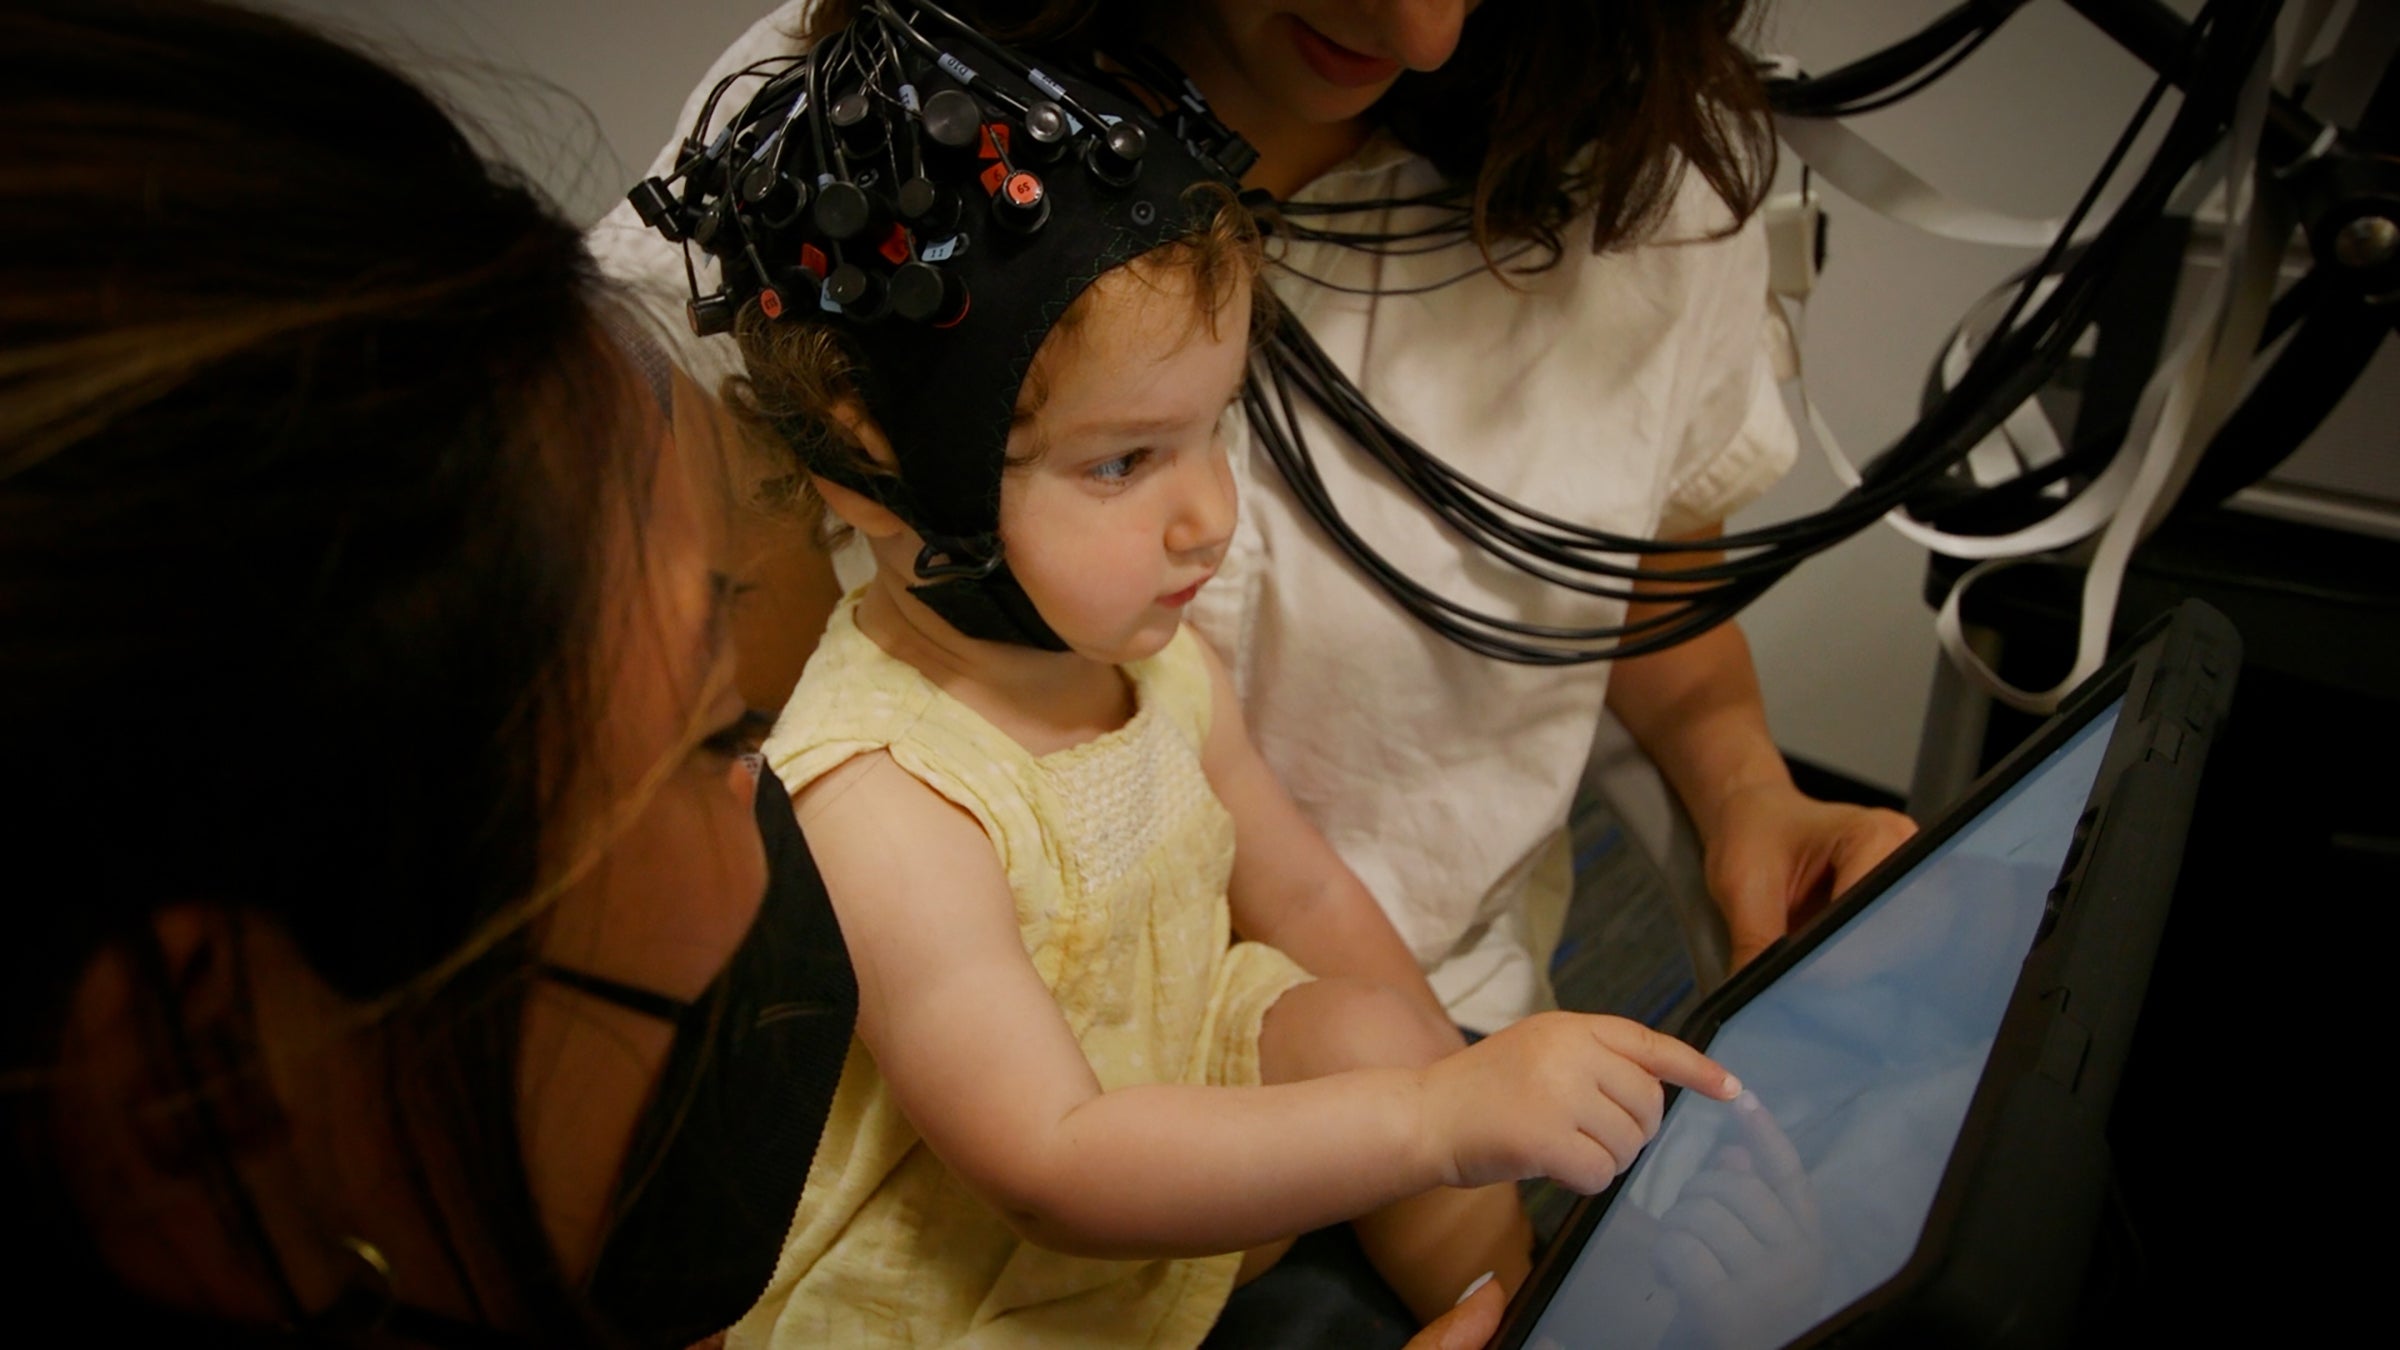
x=1747, y=1224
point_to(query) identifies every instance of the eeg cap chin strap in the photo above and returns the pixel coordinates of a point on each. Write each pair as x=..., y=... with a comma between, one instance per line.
x=942, y=201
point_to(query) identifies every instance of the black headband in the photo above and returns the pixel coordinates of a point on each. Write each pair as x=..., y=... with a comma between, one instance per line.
x=942, y=200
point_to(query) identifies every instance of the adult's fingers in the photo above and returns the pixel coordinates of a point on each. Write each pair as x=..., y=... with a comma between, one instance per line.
x=1667, y=1058
x=1867, y=839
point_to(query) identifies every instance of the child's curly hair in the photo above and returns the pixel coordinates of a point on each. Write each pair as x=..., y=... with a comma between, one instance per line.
x=800, y=371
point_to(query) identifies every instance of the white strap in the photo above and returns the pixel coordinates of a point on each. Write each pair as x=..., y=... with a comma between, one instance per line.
x=2302, y=24
x=2026, y=437
x=2199, y=379
x=1875, y=180
x=2180, y=410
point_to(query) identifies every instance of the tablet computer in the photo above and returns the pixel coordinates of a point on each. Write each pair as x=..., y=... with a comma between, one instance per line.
x=1919, y=1157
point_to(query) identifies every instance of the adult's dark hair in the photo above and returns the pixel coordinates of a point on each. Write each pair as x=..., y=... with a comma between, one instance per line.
x=309, y=427
x=1548, y=110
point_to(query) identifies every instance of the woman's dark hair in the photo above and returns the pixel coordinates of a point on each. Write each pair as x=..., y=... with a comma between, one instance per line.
x=1549, y=108
x=310, y=430
x=1556, y=107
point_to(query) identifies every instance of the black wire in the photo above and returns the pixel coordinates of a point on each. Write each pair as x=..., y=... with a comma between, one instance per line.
x=1831, y=94
x=2025, y=358
x=1009, y=60
x=1449, y=195
x=2022, y=354
x=2060, y=246
x=1445, y=283
x=1918, y=85
x=894, y=23
x=708, y=108
x=1452, y=225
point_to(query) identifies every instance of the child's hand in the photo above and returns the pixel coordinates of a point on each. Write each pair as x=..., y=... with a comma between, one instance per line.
x=1569, y=1096
x=1742, y=1246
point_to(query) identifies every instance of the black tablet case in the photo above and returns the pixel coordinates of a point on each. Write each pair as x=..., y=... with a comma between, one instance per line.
x=2001, y=1258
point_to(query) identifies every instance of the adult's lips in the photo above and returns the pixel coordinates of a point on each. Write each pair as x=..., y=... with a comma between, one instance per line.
x=1337, y=64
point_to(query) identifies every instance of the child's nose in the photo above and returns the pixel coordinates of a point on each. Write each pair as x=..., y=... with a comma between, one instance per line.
x=1206, y=507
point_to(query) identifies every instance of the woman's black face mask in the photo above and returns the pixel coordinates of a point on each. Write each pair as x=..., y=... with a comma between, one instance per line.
x=714, y=1174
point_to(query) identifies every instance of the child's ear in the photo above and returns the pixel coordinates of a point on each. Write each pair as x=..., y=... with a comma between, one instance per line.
x=852, y=507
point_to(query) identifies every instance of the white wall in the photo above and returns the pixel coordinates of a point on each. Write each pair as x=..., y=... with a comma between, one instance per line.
x=582, y=93
x=1845, y=645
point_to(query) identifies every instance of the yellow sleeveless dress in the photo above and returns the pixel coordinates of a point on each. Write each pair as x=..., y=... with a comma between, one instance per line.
x=1118, y=853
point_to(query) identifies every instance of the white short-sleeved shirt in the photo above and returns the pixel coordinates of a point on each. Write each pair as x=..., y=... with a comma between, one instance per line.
x=1632, y=391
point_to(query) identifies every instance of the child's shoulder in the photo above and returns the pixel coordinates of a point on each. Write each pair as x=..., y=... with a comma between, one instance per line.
x=848, y=671
x=852, y=697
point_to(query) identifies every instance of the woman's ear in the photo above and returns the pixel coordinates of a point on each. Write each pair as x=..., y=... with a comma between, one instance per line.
x=852, y=507
x=170, y=1097
x=188, y=985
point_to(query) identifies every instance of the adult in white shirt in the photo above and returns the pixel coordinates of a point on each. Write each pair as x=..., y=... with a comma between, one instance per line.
x=1624, y=383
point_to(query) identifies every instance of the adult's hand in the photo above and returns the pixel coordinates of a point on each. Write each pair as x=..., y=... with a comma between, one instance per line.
x=1777, y=856
x=1774, y=853
x=1469, y=1326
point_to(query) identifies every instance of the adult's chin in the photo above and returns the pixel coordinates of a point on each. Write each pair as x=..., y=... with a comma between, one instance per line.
x=1323, y=82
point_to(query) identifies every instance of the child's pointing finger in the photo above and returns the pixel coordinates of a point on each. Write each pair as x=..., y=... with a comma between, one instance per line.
x=1667, y=1058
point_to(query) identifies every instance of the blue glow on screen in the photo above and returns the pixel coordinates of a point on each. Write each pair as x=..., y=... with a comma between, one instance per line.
x=1745, y=1225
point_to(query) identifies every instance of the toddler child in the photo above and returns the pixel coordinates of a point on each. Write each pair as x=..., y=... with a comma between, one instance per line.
x=1126, y=1022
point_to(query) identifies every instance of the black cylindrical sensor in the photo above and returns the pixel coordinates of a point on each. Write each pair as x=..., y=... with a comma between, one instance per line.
x=1046, y=131
x=712, y=222
x=1022, y=203
x=852, y=287
x=951, y=119
x=926, y=293
x=658, y=208
x=774, y=195
x=844, y=211
x=1116, y=156
x=856, y=124
x=930, y=207
x=709, y=315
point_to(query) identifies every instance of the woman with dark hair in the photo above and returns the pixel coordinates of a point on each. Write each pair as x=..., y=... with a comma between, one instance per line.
x=380, y=787
x=391, y=964
x=1524, y=229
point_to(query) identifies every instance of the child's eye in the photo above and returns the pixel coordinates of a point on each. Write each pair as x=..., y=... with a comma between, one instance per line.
x=1114, y=471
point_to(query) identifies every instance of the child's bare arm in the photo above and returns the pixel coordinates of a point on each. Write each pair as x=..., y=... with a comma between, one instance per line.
x=1290, y=889
x=980, y=1058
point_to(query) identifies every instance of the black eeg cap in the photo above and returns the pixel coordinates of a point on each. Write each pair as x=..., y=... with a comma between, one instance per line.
x=960, y=196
